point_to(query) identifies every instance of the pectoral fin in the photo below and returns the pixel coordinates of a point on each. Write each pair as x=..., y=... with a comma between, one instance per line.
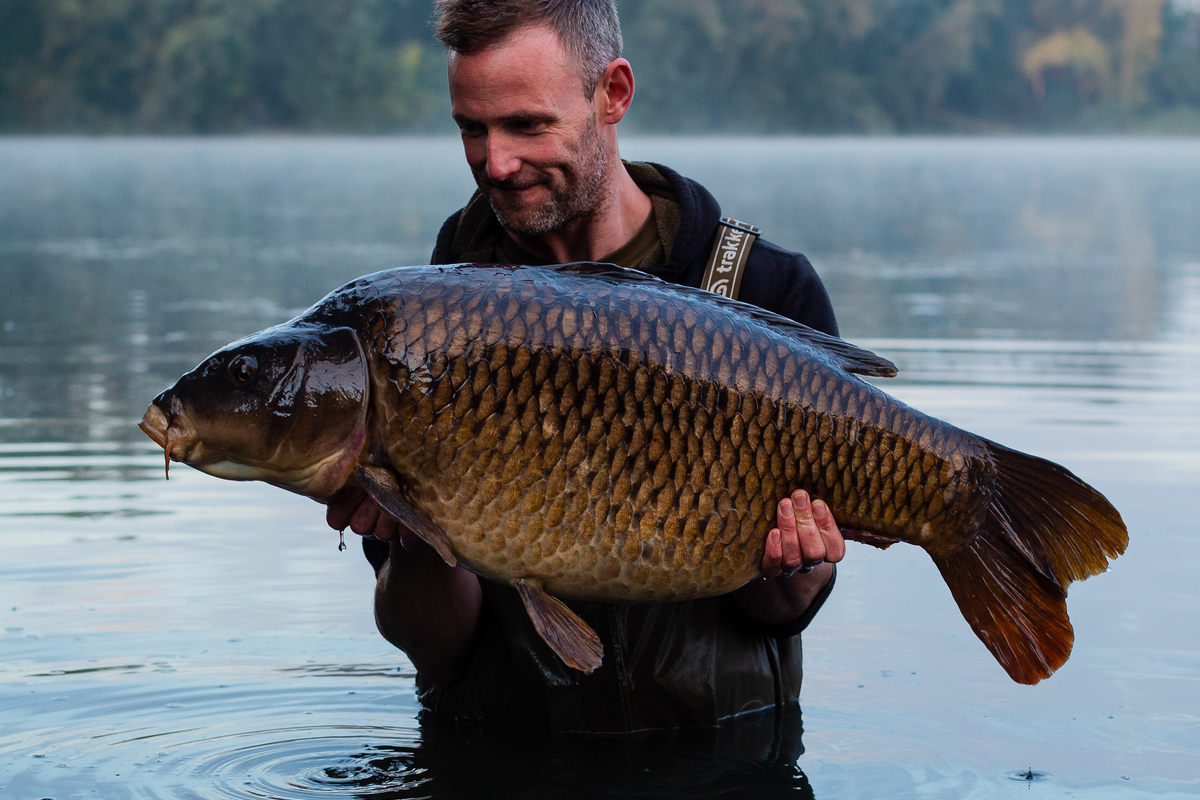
x=384, y=487
x=570, y=637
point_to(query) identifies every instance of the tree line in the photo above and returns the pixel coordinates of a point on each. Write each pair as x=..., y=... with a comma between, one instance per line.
x=753, y=66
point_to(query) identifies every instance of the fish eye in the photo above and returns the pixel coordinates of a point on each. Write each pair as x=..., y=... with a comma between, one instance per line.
x=243, y=368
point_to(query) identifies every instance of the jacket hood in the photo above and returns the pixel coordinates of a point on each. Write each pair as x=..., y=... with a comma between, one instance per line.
x=699, y=214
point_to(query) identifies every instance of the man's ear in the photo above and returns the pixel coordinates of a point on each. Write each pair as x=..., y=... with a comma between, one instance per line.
x=614, y=92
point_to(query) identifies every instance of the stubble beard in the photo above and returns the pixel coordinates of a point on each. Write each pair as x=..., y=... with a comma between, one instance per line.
x=575, y=194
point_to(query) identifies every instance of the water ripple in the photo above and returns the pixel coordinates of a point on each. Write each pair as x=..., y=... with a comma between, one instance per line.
x=151, y=736
x=163, y=739
x=291, y=763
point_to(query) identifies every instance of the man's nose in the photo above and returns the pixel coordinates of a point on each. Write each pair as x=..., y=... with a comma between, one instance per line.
x=502, y=159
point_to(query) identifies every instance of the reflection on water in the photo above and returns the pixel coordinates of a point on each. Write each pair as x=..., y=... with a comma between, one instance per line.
x=200, y=638
x=753, y=756
x=293, y=740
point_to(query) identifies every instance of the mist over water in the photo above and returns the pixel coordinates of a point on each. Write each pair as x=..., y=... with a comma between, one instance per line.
x=201, y=638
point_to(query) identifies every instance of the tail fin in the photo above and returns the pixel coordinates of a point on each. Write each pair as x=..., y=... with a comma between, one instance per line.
x=1045, y=528
x=1064, y=527
x=1018, y=613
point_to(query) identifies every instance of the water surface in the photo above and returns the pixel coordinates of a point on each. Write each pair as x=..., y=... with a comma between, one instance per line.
x=198, y=638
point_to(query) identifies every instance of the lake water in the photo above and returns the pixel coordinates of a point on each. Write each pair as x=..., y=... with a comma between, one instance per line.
x=206, y=639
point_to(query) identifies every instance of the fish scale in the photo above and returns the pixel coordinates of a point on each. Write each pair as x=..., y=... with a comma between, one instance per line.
x=584, y=431
x=547, y=372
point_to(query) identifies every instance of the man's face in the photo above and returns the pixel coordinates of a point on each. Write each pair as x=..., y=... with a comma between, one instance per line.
x=532, y=139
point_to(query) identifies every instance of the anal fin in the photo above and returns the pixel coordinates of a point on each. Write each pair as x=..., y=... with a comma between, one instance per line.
x=568, y=636
x=384, y=487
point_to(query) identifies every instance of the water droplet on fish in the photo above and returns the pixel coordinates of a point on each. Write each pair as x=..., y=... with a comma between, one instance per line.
x=341, y=541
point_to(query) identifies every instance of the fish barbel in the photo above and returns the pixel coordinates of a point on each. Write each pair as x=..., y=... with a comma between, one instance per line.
x=589, y=432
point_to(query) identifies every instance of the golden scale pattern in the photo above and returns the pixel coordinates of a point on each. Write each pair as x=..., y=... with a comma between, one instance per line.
x=631, y=444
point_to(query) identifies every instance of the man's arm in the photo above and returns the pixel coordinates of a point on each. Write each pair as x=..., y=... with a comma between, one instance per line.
x=423, y=606
x=807, y=537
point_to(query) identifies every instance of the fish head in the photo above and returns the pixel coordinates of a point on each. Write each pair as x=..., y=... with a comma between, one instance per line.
x=286, y=406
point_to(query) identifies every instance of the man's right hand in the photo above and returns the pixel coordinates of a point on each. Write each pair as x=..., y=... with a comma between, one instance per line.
x=352, y=508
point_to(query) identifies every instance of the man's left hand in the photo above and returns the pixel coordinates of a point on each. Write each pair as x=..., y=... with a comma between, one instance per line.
x=807, y=537
x=797, y=561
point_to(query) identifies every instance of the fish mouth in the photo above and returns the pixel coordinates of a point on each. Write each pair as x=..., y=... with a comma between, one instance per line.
x=170, y=430
x=155, y=425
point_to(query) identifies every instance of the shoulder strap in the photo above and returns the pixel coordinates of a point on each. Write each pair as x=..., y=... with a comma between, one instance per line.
x=723, y=275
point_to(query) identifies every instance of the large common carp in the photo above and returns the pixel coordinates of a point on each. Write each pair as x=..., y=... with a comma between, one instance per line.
x=590, y=432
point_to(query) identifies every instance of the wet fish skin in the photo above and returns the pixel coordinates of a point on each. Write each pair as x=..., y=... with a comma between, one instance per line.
x=630, y=439
x=609, y=440
x=593, y=433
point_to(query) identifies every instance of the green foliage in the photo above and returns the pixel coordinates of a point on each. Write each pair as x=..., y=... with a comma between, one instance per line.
x=206, y=66
x=911, y=65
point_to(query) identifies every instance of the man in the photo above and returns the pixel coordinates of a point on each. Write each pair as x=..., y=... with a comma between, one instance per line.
x=537, y=88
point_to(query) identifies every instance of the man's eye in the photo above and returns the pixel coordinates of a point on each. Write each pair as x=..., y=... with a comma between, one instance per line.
x=472, y=131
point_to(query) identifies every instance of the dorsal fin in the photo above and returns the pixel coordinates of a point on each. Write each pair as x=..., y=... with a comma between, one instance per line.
x=584, y=269
x=851, y=358
x=618, y=274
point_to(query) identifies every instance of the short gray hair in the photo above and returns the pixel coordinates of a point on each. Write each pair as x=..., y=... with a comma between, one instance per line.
x=589, y=29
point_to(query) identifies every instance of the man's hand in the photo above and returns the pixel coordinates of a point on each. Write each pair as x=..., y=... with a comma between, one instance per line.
x=797, y=562
x=807, y=537
x=352, y=508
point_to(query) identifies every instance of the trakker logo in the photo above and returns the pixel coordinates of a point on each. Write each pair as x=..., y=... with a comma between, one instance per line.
x=724, y=272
